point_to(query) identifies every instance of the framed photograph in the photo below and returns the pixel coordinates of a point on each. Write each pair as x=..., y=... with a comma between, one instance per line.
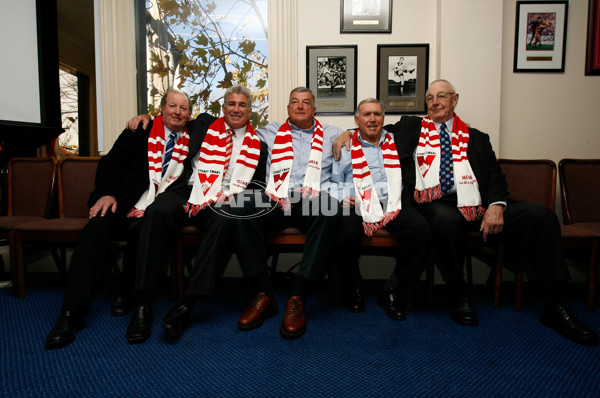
x=366, y=16
x=402, y=77
x=331, y=75
x=592, y=56
x=540, y=36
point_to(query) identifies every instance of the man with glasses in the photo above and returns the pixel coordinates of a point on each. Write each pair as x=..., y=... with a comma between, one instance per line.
x=461, y=189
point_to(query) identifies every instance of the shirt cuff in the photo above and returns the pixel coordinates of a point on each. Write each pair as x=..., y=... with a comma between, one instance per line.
x=504, y=204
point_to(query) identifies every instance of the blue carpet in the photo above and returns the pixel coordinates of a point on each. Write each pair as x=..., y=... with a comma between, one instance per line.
x=342, y=354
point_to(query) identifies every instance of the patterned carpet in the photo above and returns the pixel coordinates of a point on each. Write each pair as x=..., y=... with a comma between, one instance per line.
x=342, y=354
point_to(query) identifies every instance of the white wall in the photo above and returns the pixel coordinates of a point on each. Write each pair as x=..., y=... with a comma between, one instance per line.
x=553, y=115
x=465, y=48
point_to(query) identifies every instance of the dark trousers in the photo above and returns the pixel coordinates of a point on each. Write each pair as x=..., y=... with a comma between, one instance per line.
x=94, y=251
x=409, y=227
x=161, y=220
x=318, y=217
x=532, y=228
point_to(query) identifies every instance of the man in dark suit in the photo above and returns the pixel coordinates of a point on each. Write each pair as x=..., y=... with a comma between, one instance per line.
x=211, y=174
x=122, y=176
x=467, y=191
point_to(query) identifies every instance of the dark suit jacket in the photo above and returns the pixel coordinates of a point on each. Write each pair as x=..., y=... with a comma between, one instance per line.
x=123, y=172
x=492, y=183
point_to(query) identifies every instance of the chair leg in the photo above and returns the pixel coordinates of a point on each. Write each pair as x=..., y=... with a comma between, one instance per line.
x=274, y=261
x=519, y=283
x=499, y=258
x=18, y=273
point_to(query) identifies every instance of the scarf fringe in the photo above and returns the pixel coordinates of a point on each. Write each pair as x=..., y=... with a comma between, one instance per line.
x=472, y=213
x=284, y=203
x=371, y=227
x=428, y=194
x=193, y=209
x=310, y=192
x=136, y=213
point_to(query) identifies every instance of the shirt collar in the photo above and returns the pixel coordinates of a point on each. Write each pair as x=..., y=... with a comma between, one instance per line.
x=168, y=132
x=449, y=124
x=238, y=132
x=381, y=139
x=309, y=130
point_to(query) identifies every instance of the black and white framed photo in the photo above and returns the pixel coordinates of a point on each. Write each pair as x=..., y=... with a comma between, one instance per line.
x=540, y=36
x=366, y=16
x=402, y=77
x=331, y=75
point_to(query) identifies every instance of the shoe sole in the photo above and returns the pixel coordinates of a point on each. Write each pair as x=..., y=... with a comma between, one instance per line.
x=138, y=339
x=591, y=341
x=256, y=325
x=120, y=312
x=63, y=343
x=292, y=336
x=383, y=305
x=463, y=322
x=396, y=318
x=173, y=331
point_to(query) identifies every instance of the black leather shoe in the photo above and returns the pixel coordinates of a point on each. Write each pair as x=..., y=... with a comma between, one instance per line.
x=395, y=306
x=564, y=321
x=121, y=305
x=461, y=309
x=139, y=329
x=176, y=320
x=64, y=331
x=355, y=300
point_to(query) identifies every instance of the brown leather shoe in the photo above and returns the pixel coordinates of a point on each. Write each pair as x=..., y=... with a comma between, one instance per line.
x=294, y=322
x=261, y=308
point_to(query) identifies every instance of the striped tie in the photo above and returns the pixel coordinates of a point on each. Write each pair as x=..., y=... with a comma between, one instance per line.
x=168, y=152
x=228, y=149
x=446, y=165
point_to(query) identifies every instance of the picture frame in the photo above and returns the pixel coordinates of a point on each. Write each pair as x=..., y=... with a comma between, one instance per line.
x=592, y=54
x=402, y=77
x=540, y=36
x=366, y=16
x=331, y=75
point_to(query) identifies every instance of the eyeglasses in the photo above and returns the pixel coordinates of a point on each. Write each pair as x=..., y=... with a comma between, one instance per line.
x=442, y=95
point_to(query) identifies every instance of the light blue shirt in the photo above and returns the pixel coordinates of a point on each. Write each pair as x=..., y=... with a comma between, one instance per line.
x=301, y=139
x=342, y=181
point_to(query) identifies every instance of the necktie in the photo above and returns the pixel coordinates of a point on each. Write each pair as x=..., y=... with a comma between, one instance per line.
x=228, y=149
x=446, y=166
x=168, y=152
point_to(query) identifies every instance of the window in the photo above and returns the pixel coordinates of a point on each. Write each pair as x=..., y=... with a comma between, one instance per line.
x=203, y=47
x=69, y=107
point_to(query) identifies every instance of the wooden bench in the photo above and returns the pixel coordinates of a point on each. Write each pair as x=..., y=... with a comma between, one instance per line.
x=292, y=240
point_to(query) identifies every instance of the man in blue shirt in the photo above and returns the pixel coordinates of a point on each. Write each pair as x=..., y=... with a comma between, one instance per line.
x=299, y=171
x=368, y=182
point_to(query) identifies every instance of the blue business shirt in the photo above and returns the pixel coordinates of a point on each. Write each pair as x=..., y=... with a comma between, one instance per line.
x=342, y=183
x=301, y=139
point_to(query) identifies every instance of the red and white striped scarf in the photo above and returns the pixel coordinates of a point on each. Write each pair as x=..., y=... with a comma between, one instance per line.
x=158, y=184
x=214, y=160
x=427, y=163
x=370, y=208
x=282, y=159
